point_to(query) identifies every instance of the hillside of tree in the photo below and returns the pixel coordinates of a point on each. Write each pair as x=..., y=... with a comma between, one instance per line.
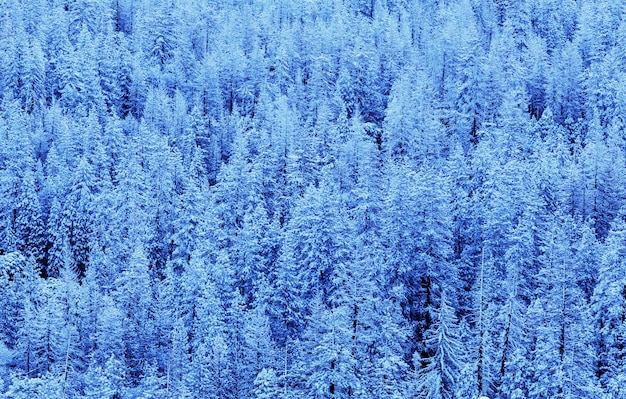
x=263, y=199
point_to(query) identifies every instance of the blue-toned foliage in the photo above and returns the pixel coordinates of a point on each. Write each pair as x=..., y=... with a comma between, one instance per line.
x=263, y=199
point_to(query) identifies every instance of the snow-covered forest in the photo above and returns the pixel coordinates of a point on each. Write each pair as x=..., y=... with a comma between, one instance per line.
x=277, y=199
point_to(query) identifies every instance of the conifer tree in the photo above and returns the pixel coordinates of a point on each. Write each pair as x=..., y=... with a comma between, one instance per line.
x=436, y=375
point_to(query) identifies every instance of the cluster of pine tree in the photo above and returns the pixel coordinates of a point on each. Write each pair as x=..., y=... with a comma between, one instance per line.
x=266, y=199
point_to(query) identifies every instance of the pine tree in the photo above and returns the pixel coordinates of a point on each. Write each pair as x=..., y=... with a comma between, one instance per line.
x=608, y=307
x=107, y=381
x=406, y=134
x=28, y=220
x=77, y=214
x=562, y=355
x=32, y=78
x=330, y=366
x=437, y=374
x=419, y=238
x=211, y=369
x=266, y=384
x=89, y=15
x=81, y=89
x=134, y=297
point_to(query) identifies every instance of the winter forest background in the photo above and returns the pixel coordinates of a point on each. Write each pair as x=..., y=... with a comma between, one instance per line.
x=312, y=199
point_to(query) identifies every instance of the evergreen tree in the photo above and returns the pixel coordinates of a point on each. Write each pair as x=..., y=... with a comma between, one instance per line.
x=562, y=353
x=32, y=78
x=608, y=305
x=134, y=297
x=437, y=374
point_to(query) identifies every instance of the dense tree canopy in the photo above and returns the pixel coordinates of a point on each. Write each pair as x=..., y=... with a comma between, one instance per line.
x=331, y=199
